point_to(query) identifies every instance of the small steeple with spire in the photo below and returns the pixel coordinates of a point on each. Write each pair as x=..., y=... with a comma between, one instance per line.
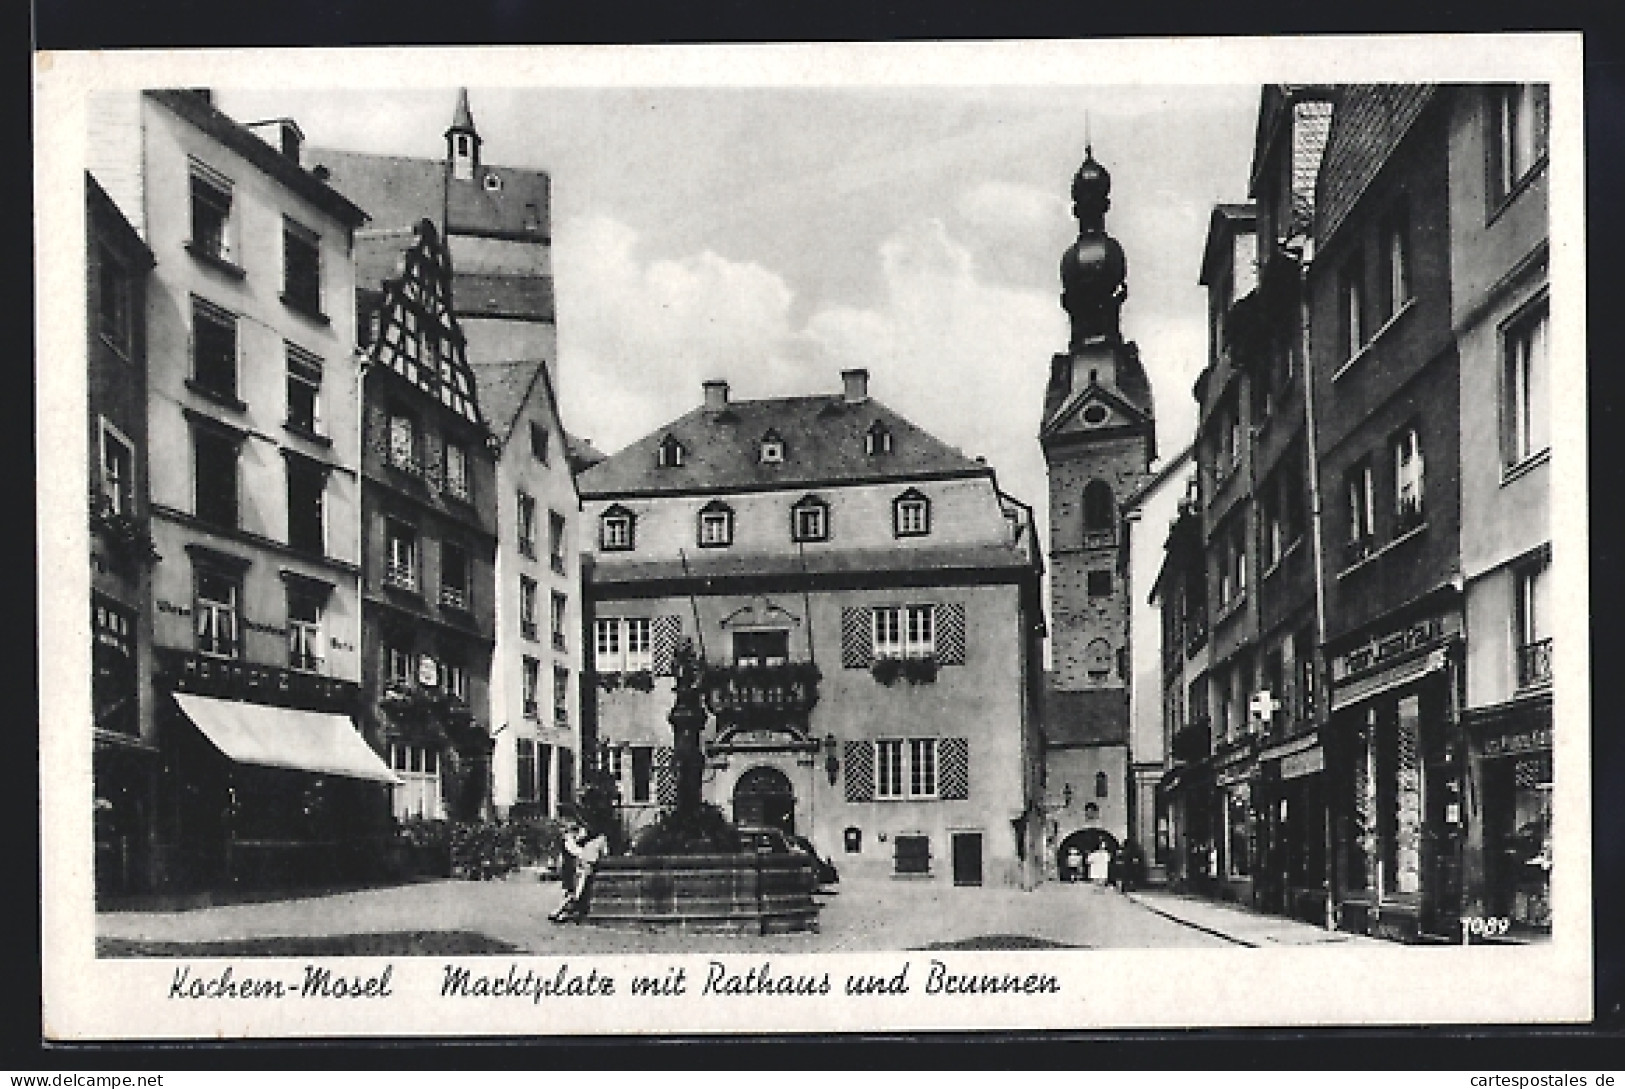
x=1093, y=268
x=463, y=140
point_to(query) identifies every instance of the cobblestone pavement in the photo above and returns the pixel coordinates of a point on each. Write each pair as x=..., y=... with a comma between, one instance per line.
x=1241, y=926
x=861, y=917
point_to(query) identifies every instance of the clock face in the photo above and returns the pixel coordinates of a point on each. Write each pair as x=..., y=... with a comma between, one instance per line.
x=1095, y=415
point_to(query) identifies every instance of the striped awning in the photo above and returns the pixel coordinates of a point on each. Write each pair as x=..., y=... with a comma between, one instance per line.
x=1375, y=684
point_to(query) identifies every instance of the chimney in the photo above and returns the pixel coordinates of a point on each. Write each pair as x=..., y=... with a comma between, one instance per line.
x=716, y=394
x=205, y=94
x=291, y=138
x=855, y=386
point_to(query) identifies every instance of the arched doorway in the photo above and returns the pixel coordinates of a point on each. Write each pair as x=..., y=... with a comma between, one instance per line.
x=764, y=797
x=1071, y=858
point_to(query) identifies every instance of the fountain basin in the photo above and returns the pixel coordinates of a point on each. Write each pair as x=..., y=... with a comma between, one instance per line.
x=744, y=893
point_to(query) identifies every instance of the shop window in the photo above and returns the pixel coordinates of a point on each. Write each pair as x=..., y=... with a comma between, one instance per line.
x=301, y=267
x=1238, y=827
x=115, y=686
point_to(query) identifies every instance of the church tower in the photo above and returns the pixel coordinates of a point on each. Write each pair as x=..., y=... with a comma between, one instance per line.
x=1099, y=438
x=462, y=141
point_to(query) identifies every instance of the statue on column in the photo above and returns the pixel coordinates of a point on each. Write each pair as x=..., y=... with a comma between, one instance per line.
x=687, y=719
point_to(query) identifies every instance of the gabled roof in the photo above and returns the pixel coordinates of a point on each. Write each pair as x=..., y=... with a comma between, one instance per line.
x=824, y=444
x=1223, y=225
x=196, y=108
x=1367, y=126
x=506, y=387
x=1169, y=469
x=1094, y=391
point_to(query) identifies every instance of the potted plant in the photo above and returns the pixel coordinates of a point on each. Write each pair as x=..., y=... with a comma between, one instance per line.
x=920, y=669
x=886, y=670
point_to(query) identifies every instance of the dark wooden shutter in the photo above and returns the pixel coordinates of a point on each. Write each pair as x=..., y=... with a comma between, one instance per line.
x=950, y=633
x=664, y=631
x=953, y=768
x=857, y=637
x=860, y=771
x=913, y=854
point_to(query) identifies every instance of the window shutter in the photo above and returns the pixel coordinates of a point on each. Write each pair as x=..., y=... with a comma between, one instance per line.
x=953, y=769
x=860, y=771
x=663, y=634
x=857, y=637
x=665, y=776
x=950, y=634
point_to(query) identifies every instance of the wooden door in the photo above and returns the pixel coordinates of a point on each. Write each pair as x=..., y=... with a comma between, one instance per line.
x=967, y=858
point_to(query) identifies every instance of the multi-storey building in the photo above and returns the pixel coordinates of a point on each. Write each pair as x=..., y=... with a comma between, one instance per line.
x=495, y=221
x=1099, y=439
x=1386, y=386
x=536, y=672
x=429, y=535
x=1499, y=231
x=126, y=760
x=1185, y=816
x=866, y=602
x=254, y=455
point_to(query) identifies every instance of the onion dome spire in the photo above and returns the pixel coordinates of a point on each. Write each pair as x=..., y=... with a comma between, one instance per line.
x=1093, y=269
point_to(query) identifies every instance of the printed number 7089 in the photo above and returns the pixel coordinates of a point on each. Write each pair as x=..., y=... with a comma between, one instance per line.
x=1481, y=926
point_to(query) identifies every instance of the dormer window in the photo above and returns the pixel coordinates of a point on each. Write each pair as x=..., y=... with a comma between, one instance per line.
x=716, y=525
x=772, y=449
x=911, y=514
x=617, y=530
x=878, y=439
x=670, y=454
x=809, y=519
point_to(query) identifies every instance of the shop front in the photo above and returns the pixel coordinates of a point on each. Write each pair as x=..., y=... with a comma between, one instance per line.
x=1393, y=753
x=1509, y=841
x=1189, y=800
x=1237, y=825
x=1292, y=877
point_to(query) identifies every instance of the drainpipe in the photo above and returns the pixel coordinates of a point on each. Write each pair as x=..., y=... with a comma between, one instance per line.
x=1306, y=257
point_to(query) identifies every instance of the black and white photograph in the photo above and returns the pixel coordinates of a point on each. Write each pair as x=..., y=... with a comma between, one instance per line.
x=726, y=538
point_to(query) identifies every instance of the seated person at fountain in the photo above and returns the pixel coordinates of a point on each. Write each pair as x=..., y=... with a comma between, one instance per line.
x=586, y=847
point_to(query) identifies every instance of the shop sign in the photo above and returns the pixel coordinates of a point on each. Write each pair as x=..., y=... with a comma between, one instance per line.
x=1524, y=741
x=1303, y=763
x=1231, y=776
x=1385, y=648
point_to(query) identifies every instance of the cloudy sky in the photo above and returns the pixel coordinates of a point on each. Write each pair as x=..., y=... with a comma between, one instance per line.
x=773, y=236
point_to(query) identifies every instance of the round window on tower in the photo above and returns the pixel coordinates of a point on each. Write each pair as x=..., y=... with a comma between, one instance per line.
x=493, y=182
x=1094, y=415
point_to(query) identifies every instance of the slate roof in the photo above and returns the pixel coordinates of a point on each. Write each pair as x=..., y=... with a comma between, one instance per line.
x=823, y=439
x=1227, y=221
x=397, y=191
x=1369, y=122
x=583, y=455
x=503, y=388
x=197, y=109
x=1096, y=716
x=1132, y=385
x=498, y=296
x=715, y=564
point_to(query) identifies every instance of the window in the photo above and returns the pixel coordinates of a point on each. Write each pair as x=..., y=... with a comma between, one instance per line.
x=617, y=530
x=561, y=696
x=419, y=769
x=772, y=449
x=400, y=555
x=911, y=515
x=904, y=631
x=114, y=300
x=1520, y=117
x=301, y=267
x=1396, y=283
x=397, y=664
x=527, y=526
x=1232, y=438
x=1524, y=388
x=1102, y=784
x=639, y=647
x=304, y=391
x=525, y=787
x=454, y=676
x=115, y=685
x=118, y=472
x=607, y=646
x=216, y=609
x=1534, y=634
x=1099, y=515
x=531, y=680
x=307, y=486
x=214, y=350
x=304, y=630
x=906, y=768
x=809, y=520
x=559, y=607
x=1409, y=511
x=1100, y=583
x=716, y=525
x=555, y=540
x=1303, y=655
x=877, y=440
x=539, y=442
x=457, y=471
x=527, y=607
x=911, y=854
x=1352, y=298
x=1269, y=501
x=214, y=458
x=211, y=213
x=1361, y=510
x=454, y=577
x=761, y=648
x=642, y=773
x=403, y=442
x=670, y=453
x=1238, y=555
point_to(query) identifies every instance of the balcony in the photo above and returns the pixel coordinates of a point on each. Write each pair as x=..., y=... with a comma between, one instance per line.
x=401, y=576
x=1535, y=663
x=762, y=694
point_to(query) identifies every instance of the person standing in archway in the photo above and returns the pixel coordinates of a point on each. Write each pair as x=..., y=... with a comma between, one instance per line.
x=1100, y=860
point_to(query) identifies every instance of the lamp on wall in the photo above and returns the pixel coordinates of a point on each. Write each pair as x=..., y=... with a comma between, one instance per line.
x=832, y=763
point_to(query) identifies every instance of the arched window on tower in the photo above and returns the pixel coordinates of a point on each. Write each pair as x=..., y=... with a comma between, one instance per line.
x=1099, y=515
x=1098, y=659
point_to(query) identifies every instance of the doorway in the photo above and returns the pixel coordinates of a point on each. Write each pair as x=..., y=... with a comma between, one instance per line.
x=764, y=798
x=967, y=847
x=1072, y=859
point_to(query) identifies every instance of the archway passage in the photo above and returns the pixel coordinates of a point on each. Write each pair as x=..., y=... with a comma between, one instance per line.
x=763, y=797
x=1072, y=859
